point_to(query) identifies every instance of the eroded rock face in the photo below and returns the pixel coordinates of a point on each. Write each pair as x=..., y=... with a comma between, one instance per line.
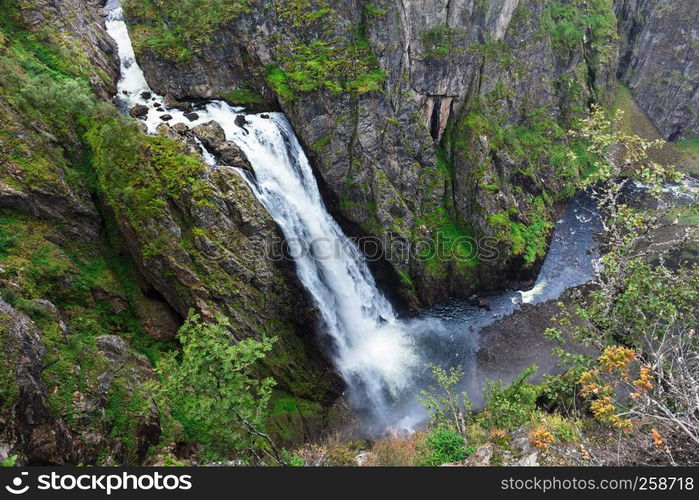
x=376, y=153
x=27, y=420
x=81, y=22
x=659, y=62
x=29, y=425
x=222, y=256
x=78, y=28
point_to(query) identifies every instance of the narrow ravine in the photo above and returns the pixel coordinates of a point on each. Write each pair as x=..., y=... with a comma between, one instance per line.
x=384, y=359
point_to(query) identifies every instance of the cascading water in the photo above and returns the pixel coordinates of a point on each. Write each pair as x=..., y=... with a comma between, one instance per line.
x=384, y=360
x=372, y=348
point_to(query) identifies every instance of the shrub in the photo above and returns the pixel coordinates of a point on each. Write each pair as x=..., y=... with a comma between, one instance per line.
x=509, y=407
x=397, y=452
x=441, y=446
x=212, y=389
x=446, y=407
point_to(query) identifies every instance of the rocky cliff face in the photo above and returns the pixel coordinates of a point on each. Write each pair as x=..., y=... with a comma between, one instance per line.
x=660, y=51
x=103, y=251
x=429, y=123
x=415, y=114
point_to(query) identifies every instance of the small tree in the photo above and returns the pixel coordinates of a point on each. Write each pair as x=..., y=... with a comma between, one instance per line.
x=445, y=406
x=641, y=313
x=212, y=390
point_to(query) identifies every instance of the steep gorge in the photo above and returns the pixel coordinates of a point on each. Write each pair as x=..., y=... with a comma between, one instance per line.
x=424, y=121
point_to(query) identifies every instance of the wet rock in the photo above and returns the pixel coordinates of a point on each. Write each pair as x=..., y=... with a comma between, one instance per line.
x=210, y=133
x=166, y=117
x=146, y=95
x=192, y=116
x=171, y=103
x=166, y=130
x=214, y=138
x=139, y=111
x=264, y=116
x=180, y=128
x=241, y=121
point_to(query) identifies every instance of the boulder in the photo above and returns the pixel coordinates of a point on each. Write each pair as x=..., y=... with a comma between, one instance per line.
x=214, y=139
x=191, y=116
x=171, y=103
x=139, y=111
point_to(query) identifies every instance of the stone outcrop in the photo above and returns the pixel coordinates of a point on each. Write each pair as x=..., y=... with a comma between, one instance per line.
x=222, y=256
x=30, y=424
x=77, y=25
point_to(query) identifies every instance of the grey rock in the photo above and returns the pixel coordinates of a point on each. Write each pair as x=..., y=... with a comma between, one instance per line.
x=214, y=139
x=180, y=128
x=192, y=116
x=660, y=47
x=139, y=111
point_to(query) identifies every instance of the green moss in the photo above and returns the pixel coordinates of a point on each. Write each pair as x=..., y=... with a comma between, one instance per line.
x=323, y=142
x=138, y=173
x=440, y=41
x=302, y=14
x=126, y=408
x=170, y=29
x=405, y=278
x=330, y=66
x=244, y=97
x=572, y=22
x=529, y=240
x=689, y=145
x=374, y=10
x=9, y=390
x=320, y=59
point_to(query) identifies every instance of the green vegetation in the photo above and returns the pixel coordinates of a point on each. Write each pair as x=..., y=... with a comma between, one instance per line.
x=374, y=10
x=212, y=391
x=441, y=446
x=440, y=41
x=569, y=23
x=533, y=148
x=321, y=59
x=528, y=240
x=244, y=97
x=640, y=315
x=509, y=407
x=170, y=29
x=633, y=121
x=326, y=65
x=138, y=173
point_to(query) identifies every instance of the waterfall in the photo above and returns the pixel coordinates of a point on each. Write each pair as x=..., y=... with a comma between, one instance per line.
x=384, y=360
x=372, y=349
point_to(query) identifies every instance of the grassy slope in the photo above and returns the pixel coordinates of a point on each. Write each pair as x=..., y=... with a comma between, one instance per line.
x=684, y=154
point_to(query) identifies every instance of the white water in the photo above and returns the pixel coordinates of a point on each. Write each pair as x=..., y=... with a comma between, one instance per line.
x=385, y=361
x=372, y=348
